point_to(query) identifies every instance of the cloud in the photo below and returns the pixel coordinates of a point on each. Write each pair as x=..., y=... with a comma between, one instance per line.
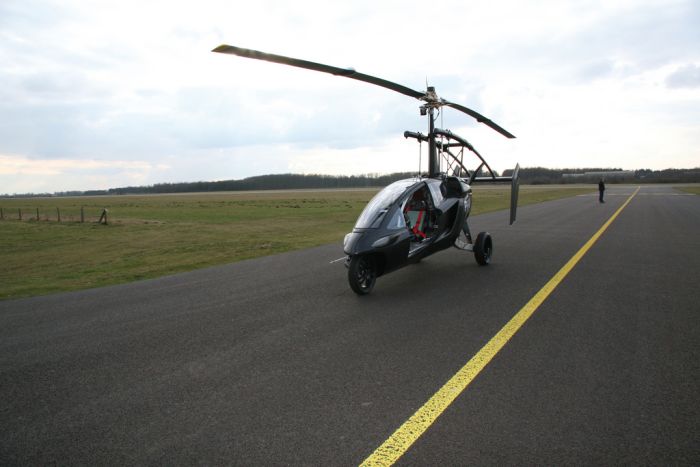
x=18, y=165
x=687, y=76
x=135, y=81
x=51, y=175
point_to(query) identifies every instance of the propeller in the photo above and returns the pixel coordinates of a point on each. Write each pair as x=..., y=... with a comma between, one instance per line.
x=479, y=118
x=429, y=96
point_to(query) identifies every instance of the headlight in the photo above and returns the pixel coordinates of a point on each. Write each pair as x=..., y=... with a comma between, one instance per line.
x=384, y=241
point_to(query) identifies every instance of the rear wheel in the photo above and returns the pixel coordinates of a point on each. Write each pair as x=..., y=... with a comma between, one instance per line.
x=362, y=274
x=483, y=248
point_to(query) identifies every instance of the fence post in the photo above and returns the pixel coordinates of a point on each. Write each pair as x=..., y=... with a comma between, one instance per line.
x=37, y=214
x=2, y=215
x=58, y=214
x=82, y=214
x=103, y=217
x=19, y=210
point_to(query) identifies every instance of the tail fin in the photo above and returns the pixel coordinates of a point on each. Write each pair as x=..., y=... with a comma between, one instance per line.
x=514, y=188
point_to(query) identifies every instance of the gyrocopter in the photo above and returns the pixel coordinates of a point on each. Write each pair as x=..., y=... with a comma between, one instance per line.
x=413, y=218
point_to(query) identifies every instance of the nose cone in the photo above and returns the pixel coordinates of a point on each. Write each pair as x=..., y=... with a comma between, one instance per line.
x=351, y=242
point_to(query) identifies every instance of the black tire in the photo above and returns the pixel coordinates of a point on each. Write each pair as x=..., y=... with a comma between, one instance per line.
x=362, y=274
x=483, y=248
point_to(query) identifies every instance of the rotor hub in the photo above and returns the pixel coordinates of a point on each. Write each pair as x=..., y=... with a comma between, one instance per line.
x=432, y=100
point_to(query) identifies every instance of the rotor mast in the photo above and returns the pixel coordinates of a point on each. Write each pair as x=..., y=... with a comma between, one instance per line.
x=431, y=103
x=433, y=162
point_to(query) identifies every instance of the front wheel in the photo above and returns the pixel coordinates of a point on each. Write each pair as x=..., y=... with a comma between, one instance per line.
x=362, y=274
x=483, y=248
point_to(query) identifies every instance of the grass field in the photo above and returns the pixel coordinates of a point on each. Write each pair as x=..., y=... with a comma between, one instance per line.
x=155, y=235
x=690, y=189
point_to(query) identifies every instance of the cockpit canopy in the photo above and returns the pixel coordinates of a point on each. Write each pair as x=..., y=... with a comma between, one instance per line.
x=374, y=212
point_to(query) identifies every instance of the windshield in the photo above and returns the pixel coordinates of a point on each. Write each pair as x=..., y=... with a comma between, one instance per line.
x=377, y=208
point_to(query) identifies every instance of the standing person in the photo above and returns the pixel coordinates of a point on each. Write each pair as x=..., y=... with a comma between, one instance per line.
x=601, y=189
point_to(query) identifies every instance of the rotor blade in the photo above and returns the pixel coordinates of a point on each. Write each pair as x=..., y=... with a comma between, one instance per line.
x=346, y=72
x=479, y=118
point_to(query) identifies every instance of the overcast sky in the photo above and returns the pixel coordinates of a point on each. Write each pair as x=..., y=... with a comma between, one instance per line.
x=105, y=94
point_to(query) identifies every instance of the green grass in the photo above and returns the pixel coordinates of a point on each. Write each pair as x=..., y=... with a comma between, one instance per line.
x=151, y=236
x=690, y=189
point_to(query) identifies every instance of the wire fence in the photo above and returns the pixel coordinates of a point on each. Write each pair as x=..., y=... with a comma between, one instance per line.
x=52, y=214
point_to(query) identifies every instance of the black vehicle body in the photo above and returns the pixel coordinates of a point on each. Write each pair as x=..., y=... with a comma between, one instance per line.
x=409, y=220
x=414, y=218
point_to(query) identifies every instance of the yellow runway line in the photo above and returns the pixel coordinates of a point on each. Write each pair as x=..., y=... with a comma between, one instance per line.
x=402, y=439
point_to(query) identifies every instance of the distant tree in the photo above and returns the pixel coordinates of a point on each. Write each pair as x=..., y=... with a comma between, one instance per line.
x=528, y=175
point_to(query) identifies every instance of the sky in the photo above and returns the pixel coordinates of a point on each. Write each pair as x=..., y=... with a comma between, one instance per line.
x=105, y=94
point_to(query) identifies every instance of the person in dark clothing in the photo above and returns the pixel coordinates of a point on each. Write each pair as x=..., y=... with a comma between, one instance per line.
x=601, y=189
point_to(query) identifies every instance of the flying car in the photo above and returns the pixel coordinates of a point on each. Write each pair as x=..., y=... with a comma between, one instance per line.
x=413, y=218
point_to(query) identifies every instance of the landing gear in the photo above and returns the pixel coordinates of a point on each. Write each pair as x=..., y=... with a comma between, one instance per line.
x=483, y=248
x=362, y=274
x=464, y=240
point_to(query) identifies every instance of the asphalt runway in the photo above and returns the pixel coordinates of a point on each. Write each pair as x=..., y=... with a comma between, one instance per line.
x=276, y=361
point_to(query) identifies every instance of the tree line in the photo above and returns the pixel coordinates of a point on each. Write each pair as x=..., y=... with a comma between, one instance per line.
x=528, y=175
x=543, y=176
